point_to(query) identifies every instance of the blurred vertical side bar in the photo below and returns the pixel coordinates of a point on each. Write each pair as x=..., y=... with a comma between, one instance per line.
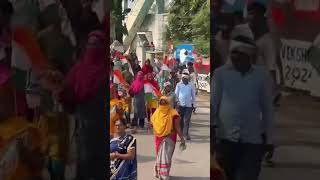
x=215, y=61
x=107, y=5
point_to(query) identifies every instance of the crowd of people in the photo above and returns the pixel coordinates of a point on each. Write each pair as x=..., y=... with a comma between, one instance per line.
x=160, y=95
x=52, y=73
x=244, y=93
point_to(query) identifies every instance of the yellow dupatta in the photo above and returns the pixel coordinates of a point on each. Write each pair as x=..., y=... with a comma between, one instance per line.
x=15, y=128
x=113, y=114
x=162, y=119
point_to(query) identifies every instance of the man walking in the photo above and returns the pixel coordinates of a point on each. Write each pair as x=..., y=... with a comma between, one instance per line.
x=186, y=96
x=173, y=78
x=242, y=112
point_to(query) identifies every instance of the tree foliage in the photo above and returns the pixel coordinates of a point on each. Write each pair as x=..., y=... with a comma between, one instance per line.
x=189, y=21
x=117, y=16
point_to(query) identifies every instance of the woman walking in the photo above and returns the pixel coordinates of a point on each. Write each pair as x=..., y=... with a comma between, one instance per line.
x=166, y=126
x=137, y=92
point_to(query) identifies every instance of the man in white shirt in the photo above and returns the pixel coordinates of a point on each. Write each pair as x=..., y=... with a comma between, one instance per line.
x=242, y=113
x=186, y=96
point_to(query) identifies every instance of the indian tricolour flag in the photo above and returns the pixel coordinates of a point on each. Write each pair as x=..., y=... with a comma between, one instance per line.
x=26, y=46
x=124, y=60
x=119, y=79
x=150, y=88
x=165, y=67
x=27, y=58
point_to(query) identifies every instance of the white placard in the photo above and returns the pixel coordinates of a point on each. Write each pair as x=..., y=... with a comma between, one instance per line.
x=297, y=72
x=202, y=82
x=307, y=5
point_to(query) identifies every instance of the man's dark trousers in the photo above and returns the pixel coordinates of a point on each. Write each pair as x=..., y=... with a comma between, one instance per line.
x=240, y=161
x=185, y=114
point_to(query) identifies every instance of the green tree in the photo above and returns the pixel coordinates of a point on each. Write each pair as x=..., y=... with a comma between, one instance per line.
x=117, y=16
x=189, y=21
x=201, y=29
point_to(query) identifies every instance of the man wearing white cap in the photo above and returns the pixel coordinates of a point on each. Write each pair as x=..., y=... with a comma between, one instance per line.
x=168, y=92
x=242, y=112
x=186, y=96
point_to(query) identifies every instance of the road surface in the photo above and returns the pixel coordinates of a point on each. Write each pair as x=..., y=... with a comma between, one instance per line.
x=297, y=135
x=193, y=163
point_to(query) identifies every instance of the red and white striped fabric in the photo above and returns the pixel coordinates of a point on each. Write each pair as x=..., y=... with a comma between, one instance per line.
x=124, y=60
x=150, y=88
x=26, y=51
x=119, y=79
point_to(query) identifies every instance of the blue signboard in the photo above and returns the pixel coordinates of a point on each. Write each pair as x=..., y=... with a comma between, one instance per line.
x=184, y=53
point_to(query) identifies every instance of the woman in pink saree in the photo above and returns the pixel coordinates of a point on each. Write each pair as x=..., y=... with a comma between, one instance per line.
x=137, y=92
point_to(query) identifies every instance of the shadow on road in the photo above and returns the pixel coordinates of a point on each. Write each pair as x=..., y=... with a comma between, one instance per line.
x=287, y=165
x=197, y=125
x=298, y=143
x=143, y=159
x=197, y=113
x=199, y=139
x=203, y=106
x=202, y=120
x=180, y=161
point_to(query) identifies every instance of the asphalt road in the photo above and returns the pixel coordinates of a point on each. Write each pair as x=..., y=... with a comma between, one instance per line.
x=297, y=137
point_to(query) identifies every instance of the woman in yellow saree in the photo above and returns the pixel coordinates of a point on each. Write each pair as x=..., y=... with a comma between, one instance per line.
x=166, y=126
